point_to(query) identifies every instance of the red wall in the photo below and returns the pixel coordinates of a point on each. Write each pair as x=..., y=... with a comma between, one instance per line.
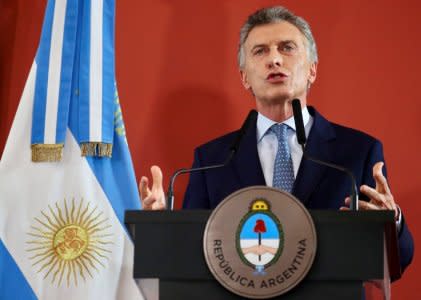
x=179, y=84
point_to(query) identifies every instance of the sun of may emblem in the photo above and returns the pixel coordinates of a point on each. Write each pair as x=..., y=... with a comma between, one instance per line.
x=259, y=238
x=69, y=242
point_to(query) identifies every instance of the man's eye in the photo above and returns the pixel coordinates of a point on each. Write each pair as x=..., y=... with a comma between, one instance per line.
x=259, y=51
x=287, y=47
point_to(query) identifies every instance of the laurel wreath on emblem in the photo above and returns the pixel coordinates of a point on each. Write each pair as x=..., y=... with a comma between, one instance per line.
x=259, y=237
x=69, y=242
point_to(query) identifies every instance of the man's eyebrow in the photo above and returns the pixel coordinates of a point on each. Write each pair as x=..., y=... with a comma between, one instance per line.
x=280, y=42
x=288, y=41
x=258, y=46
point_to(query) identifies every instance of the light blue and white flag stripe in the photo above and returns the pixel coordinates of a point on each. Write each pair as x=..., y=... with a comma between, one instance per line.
x=55, y=56
x=97, y=67
x=77, y=41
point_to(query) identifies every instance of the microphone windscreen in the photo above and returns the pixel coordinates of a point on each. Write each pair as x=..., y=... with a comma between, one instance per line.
x=299, y=124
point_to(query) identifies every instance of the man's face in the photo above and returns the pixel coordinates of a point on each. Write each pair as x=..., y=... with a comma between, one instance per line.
x=277, y=66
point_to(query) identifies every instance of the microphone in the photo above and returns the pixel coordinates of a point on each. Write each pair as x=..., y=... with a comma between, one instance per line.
x=251, y=118
x=301, y=138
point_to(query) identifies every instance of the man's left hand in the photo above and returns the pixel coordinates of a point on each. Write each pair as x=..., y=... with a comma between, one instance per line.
x=380, y=197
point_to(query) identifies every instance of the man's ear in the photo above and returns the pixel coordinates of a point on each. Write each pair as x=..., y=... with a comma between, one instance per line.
x=244, y=79
x=313, y=73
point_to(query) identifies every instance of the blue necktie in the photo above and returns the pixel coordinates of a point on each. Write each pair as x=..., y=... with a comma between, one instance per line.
x=283, y=172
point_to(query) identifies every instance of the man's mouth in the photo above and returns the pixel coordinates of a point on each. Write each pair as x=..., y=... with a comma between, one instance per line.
x=276, y=77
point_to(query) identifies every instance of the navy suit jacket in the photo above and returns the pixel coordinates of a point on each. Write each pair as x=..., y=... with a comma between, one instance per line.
x=318, y=187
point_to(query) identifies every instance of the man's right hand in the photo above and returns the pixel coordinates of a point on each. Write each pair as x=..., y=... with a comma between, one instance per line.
x=152, y=199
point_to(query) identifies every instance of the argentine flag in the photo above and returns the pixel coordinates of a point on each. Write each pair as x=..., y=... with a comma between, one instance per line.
x=62, y=232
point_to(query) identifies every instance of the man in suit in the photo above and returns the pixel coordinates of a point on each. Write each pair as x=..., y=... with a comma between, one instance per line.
x=277, y=58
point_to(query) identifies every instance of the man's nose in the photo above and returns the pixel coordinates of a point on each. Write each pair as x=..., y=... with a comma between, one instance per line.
x=275, y=60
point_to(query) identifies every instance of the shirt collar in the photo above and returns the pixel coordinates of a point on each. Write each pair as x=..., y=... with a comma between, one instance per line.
x=264, y=123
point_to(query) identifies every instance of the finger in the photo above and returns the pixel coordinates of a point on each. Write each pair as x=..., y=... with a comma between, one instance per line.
x=149, y=201
x=348, y=201
x=159, y=203
x=381, y=181
x=143, y=187
x=376, y=197
x=157, y=179
x=372, y=193
x=364, y=205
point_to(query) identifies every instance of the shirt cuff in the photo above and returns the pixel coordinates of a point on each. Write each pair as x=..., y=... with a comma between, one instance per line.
x=399, y=220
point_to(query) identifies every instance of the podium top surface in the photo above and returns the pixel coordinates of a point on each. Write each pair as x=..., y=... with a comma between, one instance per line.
x=319, y=216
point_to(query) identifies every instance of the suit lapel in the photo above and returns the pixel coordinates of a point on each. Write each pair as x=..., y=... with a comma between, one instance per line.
x=247, y=163
x=318, y=146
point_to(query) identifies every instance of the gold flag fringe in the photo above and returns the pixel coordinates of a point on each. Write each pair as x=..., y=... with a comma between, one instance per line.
x=96, y=149
x=47, y=152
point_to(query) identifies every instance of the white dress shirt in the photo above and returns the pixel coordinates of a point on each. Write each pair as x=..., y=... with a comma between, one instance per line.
x=267, y=143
